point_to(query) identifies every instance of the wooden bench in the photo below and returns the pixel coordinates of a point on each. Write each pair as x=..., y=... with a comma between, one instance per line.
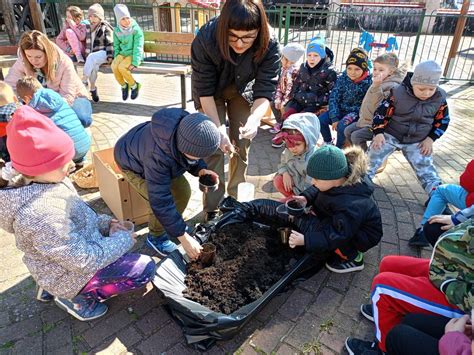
x=168, y=43
x=8, y=57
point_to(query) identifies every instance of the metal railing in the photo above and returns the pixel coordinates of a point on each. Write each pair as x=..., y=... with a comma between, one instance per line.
x=419, y=35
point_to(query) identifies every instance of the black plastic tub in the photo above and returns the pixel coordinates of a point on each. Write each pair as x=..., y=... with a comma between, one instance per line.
x=201, y=326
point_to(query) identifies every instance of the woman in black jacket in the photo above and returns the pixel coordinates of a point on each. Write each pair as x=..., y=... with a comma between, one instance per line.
x=235, y=66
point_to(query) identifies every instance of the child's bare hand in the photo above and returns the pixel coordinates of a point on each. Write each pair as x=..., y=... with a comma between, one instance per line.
x=296, y=239
x=457, y=324
x=378, y=141
x=334, y=126
x=377, y=80
x=426, y=146
x=442, y=219
x=133, y=236
x=131, y=67
x=287, y=182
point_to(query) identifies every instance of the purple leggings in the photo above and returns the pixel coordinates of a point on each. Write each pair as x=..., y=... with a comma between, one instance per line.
x=129, y=272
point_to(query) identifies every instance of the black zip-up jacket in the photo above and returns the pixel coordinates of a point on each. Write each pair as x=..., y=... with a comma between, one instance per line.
x=212, y=74
x=345, y=214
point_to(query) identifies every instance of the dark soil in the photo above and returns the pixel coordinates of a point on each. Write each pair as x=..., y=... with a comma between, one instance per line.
x=249, y=260
x=207, y=180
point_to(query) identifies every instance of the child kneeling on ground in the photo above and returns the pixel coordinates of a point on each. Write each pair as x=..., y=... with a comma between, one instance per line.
x=73, y=253
x=347, y=219
x=300, y=133
x=411, y=119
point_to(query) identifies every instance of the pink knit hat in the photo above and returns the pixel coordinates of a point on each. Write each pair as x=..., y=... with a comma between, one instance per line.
x=36, y=145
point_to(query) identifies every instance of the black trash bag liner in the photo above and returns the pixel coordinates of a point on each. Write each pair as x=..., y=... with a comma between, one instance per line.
x=201, y=326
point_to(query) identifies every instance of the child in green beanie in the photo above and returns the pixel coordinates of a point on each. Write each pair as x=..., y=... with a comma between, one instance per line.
x=346, y=220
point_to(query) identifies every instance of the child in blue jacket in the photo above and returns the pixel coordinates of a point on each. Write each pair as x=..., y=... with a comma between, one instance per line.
x=346, y=97
x=52, y=105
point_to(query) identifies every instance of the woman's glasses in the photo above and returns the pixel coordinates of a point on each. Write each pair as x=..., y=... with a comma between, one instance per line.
x=245, y=39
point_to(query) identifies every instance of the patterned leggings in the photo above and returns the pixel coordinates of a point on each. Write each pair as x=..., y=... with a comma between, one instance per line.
x=128, y=273
x=422, y=164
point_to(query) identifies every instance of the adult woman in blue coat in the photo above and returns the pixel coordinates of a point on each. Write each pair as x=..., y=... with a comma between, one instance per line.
x=235, y=65
x=153, y=157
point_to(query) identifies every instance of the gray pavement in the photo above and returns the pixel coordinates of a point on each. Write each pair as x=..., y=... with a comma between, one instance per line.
x=314, y=316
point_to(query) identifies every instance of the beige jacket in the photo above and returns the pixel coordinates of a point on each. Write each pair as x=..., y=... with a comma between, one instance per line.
x=66, y=82
x=375, y=95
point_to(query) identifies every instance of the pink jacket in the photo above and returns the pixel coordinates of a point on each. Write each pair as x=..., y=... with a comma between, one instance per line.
x=80, y=30
x=454, y=343
x=66, y=83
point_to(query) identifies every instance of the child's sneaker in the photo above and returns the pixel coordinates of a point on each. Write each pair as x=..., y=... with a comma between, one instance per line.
x=125, y=92
x=95, y=95
x=343, y=266
x=358, y=347
x=275, y=129
x=367, y=311
x=82, y=308
x=277, y=142
x=42, y=295
x=418, y=239
x=134, y=90
x=162, y=245
x=80, y=58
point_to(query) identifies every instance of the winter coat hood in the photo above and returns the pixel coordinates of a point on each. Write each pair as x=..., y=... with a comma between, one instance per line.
x=308, y=125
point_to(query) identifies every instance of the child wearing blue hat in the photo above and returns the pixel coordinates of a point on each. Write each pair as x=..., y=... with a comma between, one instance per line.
x=314, y=82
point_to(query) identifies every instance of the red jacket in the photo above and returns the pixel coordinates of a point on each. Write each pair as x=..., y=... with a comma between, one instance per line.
x=466, y=180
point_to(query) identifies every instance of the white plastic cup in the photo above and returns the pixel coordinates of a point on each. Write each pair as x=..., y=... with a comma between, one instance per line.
x=245, y=192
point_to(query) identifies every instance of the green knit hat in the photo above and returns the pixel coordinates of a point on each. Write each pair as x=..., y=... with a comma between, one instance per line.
x=328, y=163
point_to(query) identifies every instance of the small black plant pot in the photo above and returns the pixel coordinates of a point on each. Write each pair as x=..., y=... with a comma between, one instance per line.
x=208, y=183
x=294, y=208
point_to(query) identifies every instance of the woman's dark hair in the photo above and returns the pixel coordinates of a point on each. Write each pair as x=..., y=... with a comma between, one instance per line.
x=243, y=15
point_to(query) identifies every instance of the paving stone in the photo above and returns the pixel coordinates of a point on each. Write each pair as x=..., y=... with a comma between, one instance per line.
x=285, y=349
x=326, y=303
x=29, y=345
x=107, y=327
x=314, y=283
x=305, y=330
x=295, y=304
x=125, y=339
x=160, y=341
x=268, y=337
x=352, y=300
x=153, y=320
x=20, y=330
x=273, y=306
x=57, y=336
x=339, y=282
x=334, y=339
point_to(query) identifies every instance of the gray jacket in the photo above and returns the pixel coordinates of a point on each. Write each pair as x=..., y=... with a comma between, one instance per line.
x=63, y=239
x=295, y=165
x=412, y=119
x=375, y=95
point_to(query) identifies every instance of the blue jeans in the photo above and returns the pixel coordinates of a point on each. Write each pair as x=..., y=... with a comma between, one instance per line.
x=341, y=126
x=83, y=109
x=444, y=194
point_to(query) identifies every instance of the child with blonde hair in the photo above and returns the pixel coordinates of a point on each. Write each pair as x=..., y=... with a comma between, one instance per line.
x=128, y=51
x=76, y=255
x=72, y=38
x=386, y=75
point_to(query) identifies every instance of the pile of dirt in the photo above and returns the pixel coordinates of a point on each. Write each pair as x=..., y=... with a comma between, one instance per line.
x=249, y=260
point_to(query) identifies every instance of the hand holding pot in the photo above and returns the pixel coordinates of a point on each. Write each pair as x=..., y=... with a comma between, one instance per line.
x=191, y=246
x=249, y=131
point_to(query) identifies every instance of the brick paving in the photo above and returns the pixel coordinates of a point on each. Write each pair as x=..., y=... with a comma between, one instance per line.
x=314, y=316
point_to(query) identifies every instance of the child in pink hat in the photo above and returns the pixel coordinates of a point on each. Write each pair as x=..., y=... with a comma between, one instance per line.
x=75, y=255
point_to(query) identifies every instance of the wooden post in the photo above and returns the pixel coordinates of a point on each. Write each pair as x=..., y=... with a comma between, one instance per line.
x=36, y=15
x=10, y=24
x=457, y=38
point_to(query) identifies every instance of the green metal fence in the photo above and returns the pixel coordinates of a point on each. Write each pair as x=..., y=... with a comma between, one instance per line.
x=419, y=35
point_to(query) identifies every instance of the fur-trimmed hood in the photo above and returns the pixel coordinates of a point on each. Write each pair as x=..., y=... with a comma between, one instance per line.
x=357, y=160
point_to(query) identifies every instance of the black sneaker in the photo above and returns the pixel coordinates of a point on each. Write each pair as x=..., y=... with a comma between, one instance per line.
x=210, y=216
x=344, y=266
x=418, y=239
x=134, y=91
x=95, y=96
x=125, y=92
x=42, y=295
x=367, y=311
x=358, y=347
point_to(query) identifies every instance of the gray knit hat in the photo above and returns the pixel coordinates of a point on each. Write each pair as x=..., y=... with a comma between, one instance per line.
x=198, y=136
x=293, y=52
x=426, y=73
x=96, y=10
x=120, y=11
x=328, y=163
